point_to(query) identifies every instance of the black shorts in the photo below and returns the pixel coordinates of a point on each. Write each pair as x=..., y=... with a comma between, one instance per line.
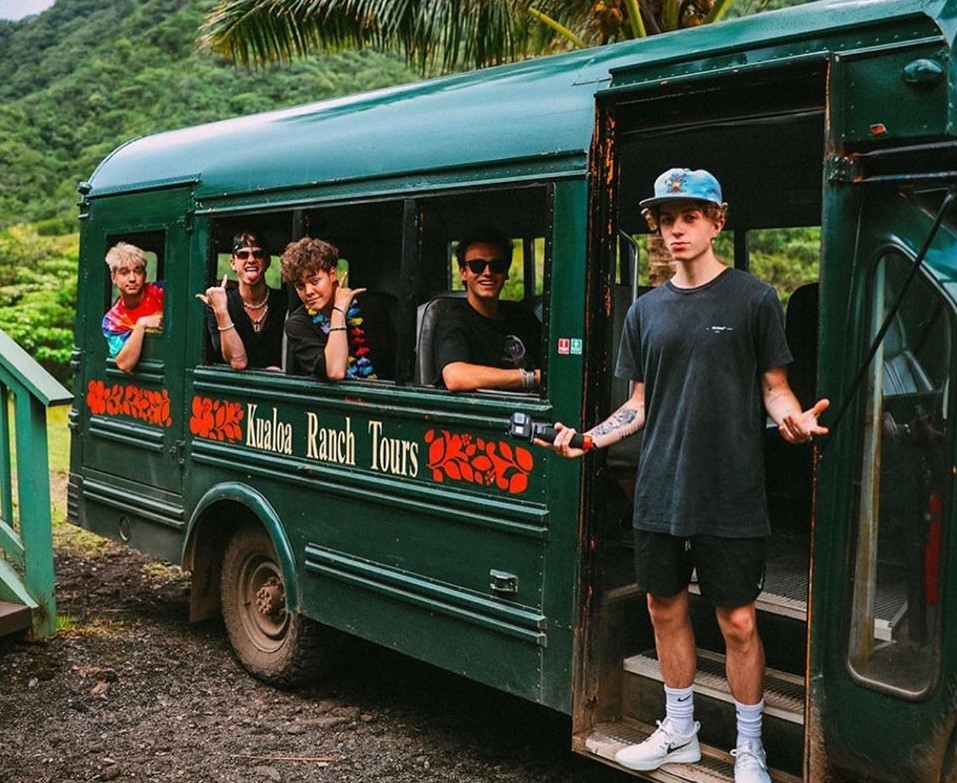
x=730, y=570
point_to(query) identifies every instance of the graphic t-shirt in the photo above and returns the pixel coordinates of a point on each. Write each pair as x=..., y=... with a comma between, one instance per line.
x=464, y=335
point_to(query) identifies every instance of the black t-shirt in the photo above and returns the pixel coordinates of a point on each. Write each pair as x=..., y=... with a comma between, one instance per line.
x=512, y=341
x=701, y=353
x=263, y=349
x=371, y=342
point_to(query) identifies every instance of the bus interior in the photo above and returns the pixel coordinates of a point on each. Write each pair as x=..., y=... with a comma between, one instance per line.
x=766, y=144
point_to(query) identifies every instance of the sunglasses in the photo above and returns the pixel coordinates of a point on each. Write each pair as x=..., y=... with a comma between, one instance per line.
x=497, y=266
x=258, y=253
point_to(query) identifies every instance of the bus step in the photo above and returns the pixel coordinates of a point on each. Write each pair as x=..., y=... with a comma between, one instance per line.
x=793, y=606
x=14, y=618
x=716, y=766
x=643, y=700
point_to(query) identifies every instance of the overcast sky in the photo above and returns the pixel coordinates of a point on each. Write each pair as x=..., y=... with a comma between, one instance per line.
x=17, y=9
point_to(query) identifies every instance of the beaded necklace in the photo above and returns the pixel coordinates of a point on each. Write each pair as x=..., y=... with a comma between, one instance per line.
x=360, y=364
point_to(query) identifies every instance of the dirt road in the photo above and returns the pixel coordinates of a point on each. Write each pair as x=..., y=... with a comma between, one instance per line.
x=130, y=691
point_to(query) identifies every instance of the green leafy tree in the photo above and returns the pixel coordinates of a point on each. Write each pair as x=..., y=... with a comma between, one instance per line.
x=442, y=33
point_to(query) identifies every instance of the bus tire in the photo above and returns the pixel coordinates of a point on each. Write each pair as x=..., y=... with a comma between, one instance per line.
x=279, y=647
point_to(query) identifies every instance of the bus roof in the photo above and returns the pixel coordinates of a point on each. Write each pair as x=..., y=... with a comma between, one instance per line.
x=536, y=113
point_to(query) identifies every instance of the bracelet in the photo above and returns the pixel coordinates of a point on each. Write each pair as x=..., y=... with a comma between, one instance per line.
x=528, y=378
x=226, y=328
x=338, y=328
x=334, y=307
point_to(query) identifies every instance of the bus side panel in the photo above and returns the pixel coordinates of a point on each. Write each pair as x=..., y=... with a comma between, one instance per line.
x=427, y=536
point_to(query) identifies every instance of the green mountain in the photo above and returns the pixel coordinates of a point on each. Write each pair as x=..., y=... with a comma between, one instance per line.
x=87, y=75
x=79, y=80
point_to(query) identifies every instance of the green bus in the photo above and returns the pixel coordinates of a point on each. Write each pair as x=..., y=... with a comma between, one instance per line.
x=404, y=514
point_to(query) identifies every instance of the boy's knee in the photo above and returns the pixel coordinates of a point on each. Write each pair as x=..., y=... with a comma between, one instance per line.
x=738, y=625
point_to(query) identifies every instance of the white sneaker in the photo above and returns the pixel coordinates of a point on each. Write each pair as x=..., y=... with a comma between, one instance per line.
x=750, y=763
x=665, y=746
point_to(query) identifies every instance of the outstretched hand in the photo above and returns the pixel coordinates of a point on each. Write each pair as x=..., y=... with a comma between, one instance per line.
x=215, y=295
x=802, y=426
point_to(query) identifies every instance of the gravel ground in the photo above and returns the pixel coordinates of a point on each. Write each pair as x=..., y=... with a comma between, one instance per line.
x=128, y=690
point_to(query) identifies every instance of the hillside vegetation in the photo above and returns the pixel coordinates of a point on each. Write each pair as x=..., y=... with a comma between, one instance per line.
x=84, y=77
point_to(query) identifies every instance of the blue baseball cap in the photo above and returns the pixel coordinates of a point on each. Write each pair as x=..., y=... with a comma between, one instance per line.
x=699, y=185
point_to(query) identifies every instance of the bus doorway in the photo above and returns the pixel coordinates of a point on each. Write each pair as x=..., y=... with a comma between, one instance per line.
x=763, y=137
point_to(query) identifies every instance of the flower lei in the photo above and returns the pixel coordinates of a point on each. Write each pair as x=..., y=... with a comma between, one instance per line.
x=360, y=365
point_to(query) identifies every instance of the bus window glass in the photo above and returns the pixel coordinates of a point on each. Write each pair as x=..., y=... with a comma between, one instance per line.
x=905, y=487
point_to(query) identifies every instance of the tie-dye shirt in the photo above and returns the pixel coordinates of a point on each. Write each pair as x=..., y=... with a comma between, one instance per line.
x=119, y=321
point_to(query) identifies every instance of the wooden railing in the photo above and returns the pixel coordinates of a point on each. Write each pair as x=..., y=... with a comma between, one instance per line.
x=26, y=533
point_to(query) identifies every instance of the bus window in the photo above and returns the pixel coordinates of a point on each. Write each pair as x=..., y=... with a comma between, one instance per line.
x=153, y=246
x=517, y=218
x=895, y=618
x=256, y=300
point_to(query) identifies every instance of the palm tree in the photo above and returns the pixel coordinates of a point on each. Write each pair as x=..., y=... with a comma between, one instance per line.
x=440, y=34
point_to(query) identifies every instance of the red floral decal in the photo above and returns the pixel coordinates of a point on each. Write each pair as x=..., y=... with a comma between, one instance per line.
x=120, y=400
x=484, y=462
x=215, y=419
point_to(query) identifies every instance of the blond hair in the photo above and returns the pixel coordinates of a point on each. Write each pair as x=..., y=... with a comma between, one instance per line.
x=124, y=253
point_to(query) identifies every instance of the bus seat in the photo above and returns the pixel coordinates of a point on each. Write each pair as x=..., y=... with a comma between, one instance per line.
x=622, y=460
x=789, y=468
x=901, y=373
x=427, y=317
x=800, y=326
x=536, y=304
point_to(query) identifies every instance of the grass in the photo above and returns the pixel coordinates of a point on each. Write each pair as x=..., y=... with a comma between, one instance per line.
x=58, y=438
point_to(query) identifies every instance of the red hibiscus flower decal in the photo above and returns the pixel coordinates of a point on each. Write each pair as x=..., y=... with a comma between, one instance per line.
x=127, y=400
x=478, y=461
x=216, y=419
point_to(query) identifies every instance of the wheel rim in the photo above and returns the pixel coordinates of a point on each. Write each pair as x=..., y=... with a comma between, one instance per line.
x=262, y=607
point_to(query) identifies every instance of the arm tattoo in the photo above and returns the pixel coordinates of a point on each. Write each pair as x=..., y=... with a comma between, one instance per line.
x=619, y=422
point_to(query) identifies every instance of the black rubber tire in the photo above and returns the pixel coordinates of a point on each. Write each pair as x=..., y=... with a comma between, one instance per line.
x=276, y=646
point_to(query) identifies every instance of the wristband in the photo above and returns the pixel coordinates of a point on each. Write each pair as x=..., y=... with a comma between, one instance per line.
x=226, y=328
x=338, y=328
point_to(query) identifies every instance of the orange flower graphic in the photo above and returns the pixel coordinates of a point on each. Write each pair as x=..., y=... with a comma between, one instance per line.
x=478, y=461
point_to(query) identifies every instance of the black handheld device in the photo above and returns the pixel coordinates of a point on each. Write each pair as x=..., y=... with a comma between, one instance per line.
x=521, y=426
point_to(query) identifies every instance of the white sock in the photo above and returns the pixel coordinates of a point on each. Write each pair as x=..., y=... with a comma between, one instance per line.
x=679, y=707
x=749, y=721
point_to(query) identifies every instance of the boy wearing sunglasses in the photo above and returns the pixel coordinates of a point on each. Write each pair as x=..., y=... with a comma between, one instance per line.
x=246, y=322
x=483, y=342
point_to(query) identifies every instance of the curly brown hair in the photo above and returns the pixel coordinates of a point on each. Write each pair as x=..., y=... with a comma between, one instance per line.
x=307, y=256
x=712, y=211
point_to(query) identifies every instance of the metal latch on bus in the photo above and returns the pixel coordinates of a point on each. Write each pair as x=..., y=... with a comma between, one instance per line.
x=502, y=581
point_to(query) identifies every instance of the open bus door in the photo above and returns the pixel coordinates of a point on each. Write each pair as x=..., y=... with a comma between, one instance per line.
x=129, y=427
x=881, y=681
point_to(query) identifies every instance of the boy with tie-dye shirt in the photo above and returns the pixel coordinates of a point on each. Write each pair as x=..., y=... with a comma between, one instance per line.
x=138, y=309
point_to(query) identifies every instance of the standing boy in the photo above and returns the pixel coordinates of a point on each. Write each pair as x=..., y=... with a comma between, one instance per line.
x=707, y=353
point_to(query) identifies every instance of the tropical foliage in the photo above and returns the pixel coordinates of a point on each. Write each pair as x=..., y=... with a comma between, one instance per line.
x=87, y=75
x=440, y=34
x=38, y=294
